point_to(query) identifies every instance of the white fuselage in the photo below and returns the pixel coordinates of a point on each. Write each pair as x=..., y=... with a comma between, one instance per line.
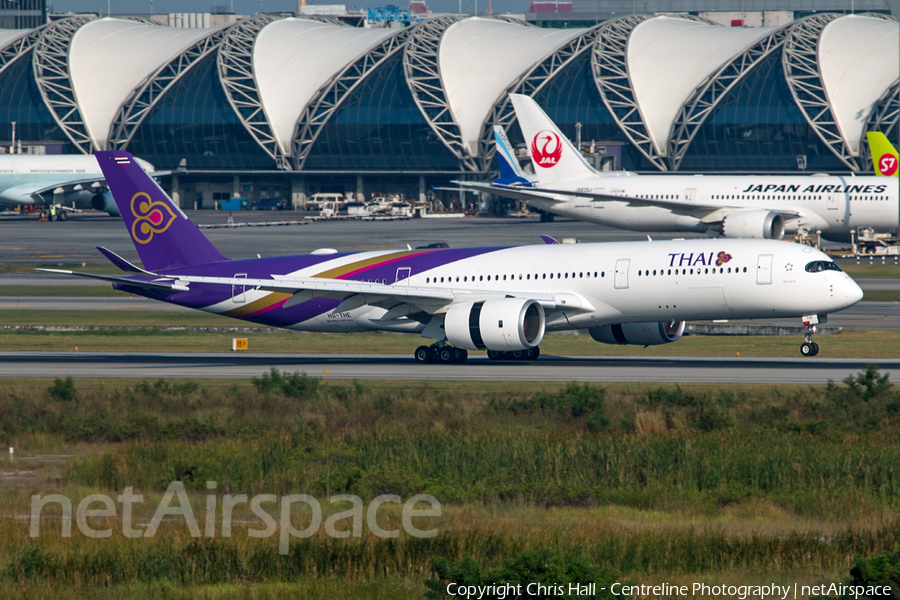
x=21, y=175
x=830, y=204
x=622, y=282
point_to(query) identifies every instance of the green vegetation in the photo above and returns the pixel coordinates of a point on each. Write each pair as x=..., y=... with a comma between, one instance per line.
x=103, y=268
x=79, y=291
x=538, y=482
x=874, y=270
x=881, y=296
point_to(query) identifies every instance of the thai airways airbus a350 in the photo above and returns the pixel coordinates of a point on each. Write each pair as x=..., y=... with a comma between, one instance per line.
x=501, y=300
x=745, y=206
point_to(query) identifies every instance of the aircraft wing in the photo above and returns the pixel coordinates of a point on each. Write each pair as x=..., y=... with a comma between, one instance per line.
x=516, y=193
x=29, y=193
x=398, y=299
x=161, y=283
x=74, y=185
x=354, y=294
x=711, y=213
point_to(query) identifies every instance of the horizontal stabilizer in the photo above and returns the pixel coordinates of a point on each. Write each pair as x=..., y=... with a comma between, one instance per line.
x=175, y=286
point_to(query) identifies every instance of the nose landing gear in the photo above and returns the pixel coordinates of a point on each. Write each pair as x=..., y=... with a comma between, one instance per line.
x=809, y=347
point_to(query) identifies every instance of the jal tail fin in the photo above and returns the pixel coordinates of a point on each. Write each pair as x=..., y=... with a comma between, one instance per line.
x=510, y=171
x=884, y=155
x=554, y=157
x=163, y=235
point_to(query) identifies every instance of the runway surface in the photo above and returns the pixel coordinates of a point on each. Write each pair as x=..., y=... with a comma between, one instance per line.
x=403, y=368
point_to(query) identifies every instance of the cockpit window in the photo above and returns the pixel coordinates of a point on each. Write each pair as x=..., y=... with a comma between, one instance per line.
x=822, y=265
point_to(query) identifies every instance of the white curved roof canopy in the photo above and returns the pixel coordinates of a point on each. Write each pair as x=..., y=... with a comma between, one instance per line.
x=668, y=58
x=8, y=36
x=293, y=58
x=480, y=58
x=858, y=61
x=108, y=58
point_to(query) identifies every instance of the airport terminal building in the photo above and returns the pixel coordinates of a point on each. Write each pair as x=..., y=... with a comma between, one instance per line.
x=290, y=106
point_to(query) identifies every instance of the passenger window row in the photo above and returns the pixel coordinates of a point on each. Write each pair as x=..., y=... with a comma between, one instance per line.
x=526, y=277
x=706, y=271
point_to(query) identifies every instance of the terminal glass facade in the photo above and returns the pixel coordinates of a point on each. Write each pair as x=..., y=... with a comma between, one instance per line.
x=195, y=121
x=759, y=127
x=572, y=97
x=379, y=127
x=21, y=101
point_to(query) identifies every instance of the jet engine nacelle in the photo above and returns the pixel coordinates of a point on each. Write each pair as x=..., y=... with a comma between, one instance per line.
x=641, y=334
x=502, y=324
x=104, y=202
x=762, y=224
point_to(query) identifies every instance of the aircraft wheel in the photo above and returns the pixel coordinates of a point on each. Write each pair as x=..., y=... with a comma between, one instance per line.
x=495, y=355
x=518, y=354
x=807, y=349
x=62, y=216
x=423, y=354
x=460, y=355
x=815, y=348
x=533, y=353
x=446, y=355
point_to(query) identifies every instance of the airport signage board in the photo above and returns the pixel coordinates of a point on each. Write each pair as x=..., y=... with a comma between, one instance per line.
x=388, y=14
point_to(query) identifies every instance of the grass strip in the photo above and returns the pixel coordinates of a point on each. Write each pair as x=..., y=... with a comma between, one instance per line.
x=850, y=343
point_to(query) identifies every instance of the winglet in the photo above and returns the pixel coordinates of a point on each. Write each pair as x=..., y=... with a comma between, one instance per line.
x=884, y=155
x=548, y=240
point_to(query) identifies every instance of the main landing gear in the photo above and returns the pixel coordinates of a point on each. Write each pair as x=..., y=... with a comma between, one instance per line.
x=440, y=352
x=809, y=347
x=530, y=354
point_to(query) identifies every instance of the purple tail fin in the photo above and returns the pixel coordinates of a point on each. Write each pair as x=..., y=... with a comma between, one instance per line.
x=163, y=235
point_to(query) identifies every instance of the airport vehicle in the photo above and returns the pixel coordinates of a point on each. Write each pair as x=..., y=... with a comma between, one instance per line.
x=884, y=155
x=269, y=204
x=497, y=299
x=45, y=179
x=745, y=206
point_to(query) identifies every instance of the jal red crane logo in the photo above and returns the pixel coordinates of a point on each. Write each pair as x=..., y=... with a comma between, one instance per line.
x=546, y=149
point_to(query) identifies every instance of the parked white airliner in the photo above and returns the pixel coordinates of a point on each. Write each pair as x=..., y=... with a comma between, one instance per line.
x=745, y=206
x=492, y=298
x=44, y=179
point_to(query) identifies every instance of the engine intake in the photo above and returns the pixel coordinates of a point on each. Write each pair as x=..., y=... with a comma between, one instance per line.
x=104, y=202
x=502, y=324
x=642, y=334
x=762, y=224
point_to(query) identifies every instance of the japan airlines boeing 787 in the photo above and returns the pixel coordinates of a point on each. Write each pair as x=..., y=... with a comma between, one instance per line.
x=497, y=299
x=746, y=206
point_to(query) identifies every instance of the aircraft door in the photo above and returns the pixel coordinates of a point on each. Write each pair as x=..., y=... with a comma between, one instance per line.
x=237, y=291
x=403, y=274
x=764, y=269
x=690, y=194
x=833, y=201
x=621, y=278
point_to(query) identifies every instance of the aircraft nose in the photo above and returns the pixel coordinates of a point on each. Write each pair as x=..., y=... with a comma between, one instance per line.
x=852, y=291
